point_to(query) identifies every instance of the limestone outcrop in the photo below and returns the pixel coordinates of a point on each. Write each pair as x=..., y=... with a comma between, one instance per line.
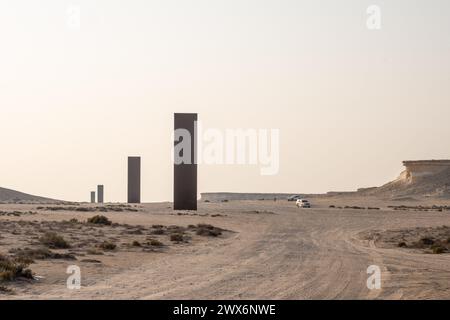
x=420, y=178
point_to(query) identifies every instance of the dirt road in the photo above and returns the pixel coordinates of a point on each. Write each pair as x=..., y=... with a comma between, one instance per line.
x=290, y=253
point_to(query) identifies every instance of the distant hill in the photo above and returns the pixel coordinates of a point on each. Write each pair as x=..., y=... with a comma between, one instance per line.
x=435, y=185
x=222, y=196
x=12, y=196
x=421, y=178
x=429, y=178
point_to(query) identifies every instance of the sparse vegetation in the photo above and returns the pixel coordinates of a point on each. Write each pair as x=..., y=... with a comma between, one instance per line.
x=106, y=208
x=16, y=213
x=208, y=230
x=28, y=255
x=107, y=246
x=11, y=269
x=259, y=212
x=91, y=261
x=54, y=241
x=6, y=290
x=136, y=243
x=427, y=241
x=99, y=220
x=176, y=237
x=158, y=232
x=175, y=229
x=438, y=249
x=420, y=208
x=155, y=243
x=94, y=252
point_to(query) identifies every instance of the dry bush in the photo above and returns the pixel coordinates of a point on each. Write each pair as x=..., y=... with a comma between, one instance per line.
x=158, y=232
x=136, y=243
x=99, y=220
x=208, y=230
x=437, y=249
x=94, y=252
x=176, y=237
x=54, y=241
x=28, y=255
x=6, y=290
x=427, y=241
x=108, y=246
x=155, y=243
x=11, y=269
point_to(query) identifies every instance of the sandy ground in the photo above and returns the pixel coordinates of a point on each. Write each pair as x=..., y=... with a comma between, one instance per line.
x=278, y=252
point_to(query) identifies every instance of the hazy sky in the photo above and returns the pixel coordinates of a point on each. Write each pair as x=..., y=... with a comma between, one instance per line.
x=350, y=103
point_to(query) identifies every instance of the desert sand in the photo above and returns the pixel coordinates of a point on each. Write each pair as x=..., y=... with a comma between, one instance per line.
x=271, y=250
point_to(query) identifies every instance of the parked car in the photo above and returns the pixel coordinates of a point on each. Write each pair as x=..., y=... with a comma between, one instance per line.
x=302, y=203
x=294, y=198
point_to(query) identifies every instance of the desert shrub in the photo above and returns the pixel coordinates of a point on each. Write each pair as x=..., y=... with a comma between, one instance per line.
x=73, y=220
x=205, y=226
x=94, y=252
x=99, y=220
x=136, y=243
x=208, y=233
x=11, y=269
x=54, y=241
x=155, y=243
x=225, y=200
x=175, y=229
x=158, y=231
x=83, y=209
x=28, y=255
x=402, y=245
x=106, y=245
x=208, y=230
x=136, y=231
x=438, y=249
x=5, y=290
x=176, y=237
x=91, y=261
x=427, y=241
x=332, y=206
x=207, y=201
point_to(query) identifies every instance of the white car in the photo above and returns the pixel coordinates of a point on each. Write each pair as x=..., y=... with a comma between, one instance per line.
x=302, y=203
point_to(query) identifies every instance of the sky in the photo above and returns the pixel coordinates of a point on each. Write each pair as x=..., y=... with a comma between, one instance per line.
x=350, y=103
